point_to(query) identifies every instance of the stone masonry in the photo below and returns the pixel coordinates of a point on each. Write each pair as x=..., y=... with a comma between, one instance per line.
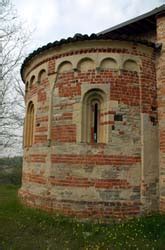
x=112, y=164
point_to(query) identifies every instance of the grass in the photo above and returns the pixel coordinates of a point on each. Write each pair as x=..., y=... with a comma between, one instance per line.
x=23, y=228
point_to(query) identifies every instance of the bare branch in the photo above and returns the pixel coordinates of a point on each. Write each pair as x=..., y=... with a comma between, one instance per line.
x=14, y=38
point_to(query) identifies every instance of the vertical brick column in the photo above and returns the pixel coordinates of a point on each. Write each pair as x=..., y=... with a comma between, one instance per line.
x=161, y=106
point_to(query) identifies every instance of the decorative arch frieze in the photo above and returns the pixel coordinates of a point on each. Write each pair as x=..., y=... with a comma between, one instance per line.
x=108, y=63
x=32, y=81
x=86, y=64
x=65, y=67
x=42, y=75
x=130, y=65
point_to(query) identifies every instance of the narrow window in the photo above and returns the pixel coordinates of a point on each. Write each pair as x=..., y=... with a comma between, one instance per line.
x=29, y=125
x=93, y=129
x=94, y=122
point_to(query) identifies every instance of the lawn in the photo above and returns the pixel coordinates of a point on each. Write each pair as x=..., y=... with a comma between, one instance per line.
x=23, y=228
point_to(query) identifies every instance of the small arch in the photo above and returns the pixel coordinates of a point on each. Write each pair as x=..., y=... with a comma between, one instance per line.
x=86, y=64
x=65, y=66
x=42, y=75
x=130, y=65
x=26, y=86
x=29, y=125
x=32, y=80
x=108, y=63
x=93, y=107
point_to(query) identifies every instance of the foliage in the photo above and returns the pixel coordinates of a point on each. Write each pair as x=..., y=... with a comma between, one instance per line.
x=25, y=228
x=11, y=161
x=11, y=170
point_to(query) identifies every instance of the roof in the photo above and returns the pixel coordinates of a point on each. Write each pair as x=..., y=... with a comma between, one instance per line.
x=141, y=23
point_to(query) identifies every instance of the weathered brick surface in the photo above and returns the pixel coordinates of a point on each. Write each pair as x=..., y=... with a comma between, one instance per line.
x=82, y=209
x=64, y=133
x=117, y=177
x=51, y=67
x=161, y=107
x=99, y=159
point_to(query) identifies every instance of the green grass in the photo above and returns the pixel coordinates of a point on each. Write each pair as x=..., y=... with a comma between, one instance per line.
x=24, y=228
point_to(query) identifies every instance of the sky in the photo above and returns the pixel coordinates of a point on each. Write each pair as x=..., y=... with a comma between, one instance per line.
x=52, y=20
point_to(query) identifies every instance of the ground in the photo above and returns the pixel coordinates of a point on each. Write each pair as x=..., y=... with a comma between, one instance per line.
x=23, y=228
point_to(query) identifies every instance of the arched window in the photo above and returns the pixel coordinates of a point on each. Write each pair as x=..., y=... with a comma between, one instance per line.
x=92, y=121
x=29, y=125
x=95, y=120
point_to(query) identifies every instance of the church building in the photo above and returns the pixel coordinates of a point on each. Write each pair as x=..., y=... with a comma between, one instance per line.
x=94, y=132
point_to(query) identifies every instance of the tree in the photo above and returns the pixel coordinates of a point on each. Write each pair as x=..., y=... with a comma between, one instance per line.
x=14, y=39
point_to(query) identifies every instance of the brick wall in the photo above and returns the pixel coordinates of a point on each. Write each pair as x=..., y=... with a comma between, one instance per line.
x=110, y=179
x=161, y=106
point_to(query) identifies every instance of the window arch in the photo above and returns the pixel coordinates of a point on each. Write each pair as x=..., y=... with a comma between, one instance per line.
x=29, y=125
x=92, y=119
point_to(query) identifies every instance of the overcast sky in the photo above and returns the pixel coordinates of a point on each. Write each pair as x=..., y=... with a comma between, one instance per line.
x=56, y=19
